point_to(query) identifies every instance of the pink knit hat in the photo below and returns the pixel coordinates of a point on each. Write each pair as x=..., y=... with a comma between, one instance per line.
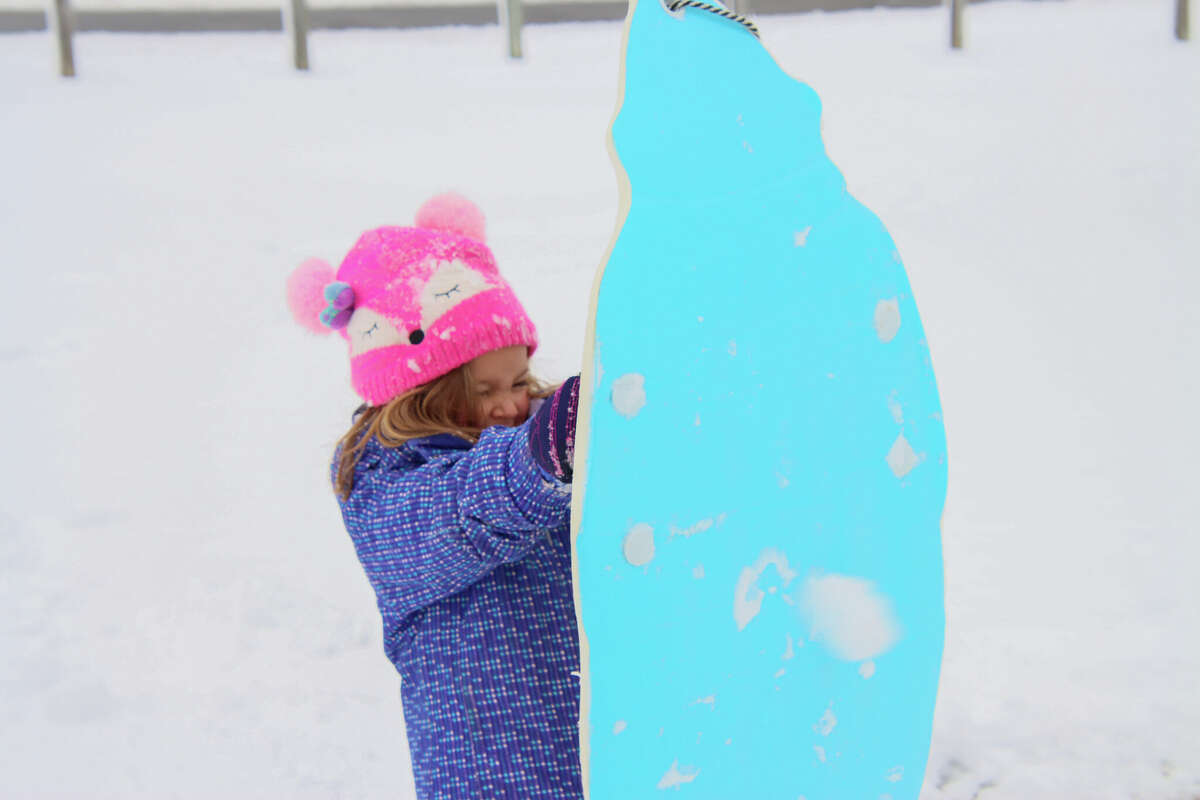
x=413, y=303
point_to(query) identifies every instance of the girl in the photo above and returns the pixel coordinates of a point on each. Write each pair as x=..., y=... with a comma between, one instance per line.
x=458, y=503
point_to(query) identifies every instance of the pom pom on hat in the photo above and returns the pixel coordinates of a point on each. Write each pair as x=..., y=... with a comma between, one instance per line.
x=306, y=293
x=452, y=213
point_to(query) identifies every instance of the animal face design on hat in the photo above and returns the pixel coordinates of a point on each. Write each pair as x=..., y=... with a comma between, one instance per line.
x=413, y=303
x=449, y=285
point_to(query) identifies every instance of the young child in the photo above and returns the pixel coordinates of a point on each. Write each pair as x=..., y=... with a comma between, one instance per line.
x=458, y=503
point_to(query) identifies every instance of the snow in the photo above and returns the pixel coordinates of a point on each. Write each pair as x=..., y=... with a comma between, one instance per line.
x=676, y=776
x=186, y=617
x=849, y=616
x=638, y=546
x=629, y=394
x=747, y=597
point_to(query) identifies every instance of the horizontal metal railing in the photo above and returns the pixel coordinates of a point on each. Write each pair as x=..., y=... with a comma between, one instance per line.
x=164, y=20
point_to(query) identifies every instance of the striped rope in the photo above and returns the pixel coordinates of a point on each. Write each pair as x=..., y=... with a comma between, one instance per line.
x=675, y=5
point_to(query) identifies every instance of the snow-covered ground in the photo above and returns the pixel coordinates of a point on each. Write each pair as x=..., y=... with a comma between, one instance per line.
x=185, y=617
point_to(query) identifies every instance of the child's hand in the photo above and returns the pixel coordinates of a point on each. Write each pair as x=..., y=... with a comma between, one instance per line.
x=552, y=432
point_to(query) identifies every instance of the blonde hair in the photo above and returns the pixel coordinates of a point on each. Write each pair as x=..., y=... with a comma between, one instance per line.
x=445, y=404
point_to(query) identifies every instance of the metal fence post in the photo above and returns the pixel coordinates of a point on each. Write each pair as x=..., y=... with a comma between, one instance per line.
x=1181, y=20
x=512, y=17
x=295, y=20
x=956, y=23
x=60, y=22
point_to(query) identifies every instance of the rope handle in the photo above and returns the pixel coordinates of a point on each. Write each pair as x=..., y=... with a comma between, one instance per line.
x=675, y=5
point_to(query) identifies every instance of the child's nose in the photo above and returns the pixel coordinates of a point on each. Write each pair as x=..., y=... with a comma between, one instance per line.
x=506, y=408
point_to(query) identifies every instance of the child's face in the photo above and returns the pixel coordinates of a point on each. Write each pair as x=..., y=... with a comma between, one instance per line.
x=500, y=387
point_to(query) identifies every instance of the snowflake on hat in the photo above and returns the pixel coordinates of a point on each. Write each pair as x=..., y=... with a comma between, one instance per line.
x=413, y=303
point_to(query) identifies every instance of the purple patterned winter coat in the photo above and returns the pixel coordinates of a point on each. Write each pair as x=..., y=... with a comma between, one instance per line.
x=468, y=550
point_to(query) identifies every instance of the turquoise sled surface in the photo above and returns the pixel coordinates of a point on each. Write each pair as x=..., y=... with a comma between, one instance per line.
x=757, y=545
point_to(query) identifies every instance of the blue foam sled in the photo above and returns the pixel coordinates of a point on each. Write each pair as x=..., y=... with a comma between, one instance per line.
x=762, y=462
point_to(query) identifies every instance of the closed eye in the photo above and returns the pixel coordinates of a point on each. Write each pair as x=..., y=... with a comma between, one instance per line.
x=519, y=385
x=448, y=292
x=371, y=330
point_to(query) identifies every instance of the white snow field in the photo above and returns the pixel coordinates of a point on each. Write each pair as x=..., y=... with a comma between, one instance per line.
x=184, y=615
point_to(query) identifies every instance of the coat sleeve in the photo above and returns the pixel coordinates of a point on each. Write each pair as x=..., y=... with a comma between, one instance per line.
x=426, y=533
